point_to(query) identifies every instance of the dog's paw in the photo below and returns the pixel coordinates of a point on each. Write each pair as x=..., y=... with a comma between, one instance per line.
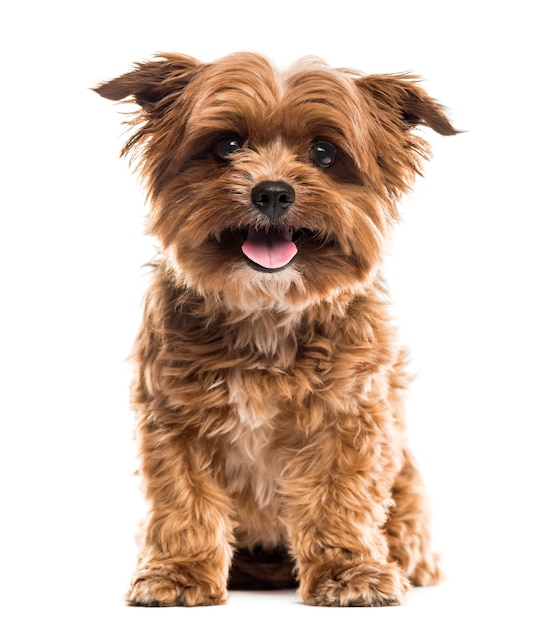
x=426, y=572
x=171, y=586
x=364, y=584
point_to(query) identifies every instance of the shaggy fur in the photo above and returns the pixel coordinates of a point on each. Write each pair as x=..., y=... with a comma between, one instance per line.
x=269, y=388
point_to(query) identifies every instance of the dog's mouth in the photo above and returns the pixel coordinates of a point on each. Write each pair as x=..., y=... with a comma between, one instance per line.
x=270, y=250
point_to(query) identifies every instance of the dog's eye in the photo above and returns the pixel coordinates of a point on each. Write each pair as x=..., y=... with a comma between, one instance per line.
x=323, y=153
x=227, y=146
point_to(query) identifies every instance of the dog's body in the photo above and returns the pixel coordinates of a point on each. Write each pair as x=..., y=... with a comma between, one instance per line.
x=269, y=382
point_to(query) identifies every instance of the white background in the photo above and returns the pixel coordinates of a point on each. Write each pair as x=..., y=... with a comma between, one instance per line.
x=463, y=272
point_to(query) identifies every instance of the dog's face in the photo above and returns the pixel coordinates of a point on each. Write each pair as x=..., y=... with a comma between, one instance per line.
x=272, y=189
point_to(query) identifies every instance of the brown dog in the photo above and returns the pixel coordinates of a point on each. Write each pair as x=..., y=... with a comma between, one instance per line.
x=269, y=384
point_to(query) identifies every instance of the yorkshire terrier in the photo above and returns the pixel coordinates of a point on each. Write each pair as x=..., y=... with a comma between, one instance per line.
x=269, y=383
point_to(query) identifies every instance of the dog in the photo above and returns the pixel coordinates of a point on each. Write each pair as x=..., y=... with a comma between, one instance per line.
x=269, y=380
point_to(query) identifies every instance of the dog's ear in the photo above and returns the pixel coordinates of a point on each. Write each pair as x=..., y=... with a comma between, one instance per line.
x=401, y=94
x=151, y=82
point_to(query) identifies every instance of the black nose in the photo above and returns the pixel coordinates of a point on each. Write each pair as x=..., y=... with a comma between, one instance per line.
x=273, y=198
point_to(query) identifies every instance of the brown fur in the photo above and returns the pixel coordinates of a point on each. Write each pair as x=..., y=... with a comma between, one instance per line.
x=270, y=403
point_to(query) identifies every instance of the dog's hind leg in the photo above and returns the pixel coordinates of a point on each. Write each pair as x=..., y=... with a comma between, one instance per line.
x=407, y=527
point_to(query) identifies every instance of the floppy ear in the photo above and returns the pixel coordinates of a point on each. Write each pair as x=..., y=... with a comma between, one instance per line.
x=400, y=93
x=152, y=81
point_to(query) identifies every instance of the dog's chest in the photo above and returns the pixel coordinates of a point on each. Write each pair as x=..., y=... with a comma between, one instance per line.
x=251, y=395
x=250, y=466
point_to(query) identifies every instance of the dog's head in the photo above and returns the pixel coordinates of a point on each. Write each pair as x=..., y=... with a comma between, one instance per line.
x=268, y=188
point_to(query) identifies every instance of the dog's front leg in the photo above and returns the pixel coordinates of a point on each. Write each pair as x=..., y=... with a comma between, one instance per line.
x=337, y=493
x=187, y=539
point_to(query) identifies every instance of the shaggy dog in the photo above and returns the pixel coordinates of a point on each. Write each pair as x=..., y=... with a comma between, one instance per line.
x=269, y=382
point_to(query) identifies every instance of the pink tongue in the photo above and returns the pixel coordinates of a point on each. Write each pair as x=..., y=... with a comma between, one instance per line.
x=270, y=250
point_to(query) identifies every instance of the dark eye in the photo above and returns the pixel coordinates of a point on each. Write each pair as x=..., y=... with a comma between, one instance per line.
x=323, y=153
x=226, y=146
